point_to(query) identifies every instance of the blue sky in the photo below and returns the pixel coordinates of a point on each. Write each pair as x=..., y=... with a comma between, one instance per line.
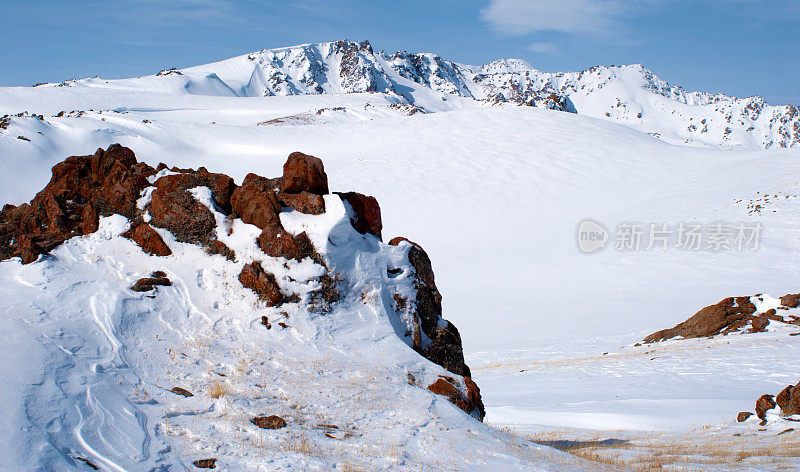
x=737, y=47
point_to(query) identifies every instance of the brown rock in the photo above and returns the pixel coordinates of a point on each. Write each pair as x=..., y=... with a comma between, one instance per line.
x=280, y=243
x=255, y=202
x=302, y=172
x=470, y=401
x=205, y=463
x=764, y=403
x=304, y=202
x=742, y=416
x=264, y=284
x=791, y=300
x=149, y=283
x=269, y=422
x=81, y=189
x=218, y=247
x=181, y=391
x=759, y=324
x=789, y=400
x=148, y=239
x=366, y=216
x=710, y=320
x=173, y=208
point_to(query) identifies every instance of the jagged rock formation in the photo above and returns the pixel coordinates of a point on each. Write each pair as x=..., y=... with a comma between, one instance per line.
x=631, y=95
x=85, y=188
x=730, y=315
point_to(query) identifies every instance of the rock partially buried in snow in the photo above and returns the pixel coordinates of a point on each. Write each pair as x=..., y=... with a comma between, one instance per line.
x=763, y=404
x=205, y=463
x=269, y=422
x=304, y=173
x=264, y=284
x=147, y=238
x=743, y=416
x=467, y=398
x=149, y=283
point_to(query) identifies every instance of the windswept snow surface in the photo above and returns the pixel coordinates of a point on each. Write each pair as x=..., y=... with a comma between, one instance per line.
x=493, y=193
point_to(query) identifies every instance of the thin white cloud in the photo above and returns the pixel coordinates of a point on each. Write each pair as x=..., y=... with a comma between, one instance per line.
x=543, y=48
x=568, y=16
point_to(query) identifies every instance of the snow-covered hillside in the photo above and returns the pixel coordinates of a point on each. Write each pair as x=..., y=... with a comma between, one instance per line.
x=630, y=95
x=494, y=193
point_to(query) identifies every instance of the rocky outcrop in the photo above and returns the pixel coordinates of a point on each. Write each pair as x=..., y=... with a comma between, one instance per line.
x=84, y=188
x=729, y=315
x=81, y=189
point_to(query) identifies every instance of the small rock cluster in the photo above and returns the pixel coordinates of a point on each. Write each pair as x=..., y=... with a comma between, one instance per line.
x=788, y=400
x=729, y=315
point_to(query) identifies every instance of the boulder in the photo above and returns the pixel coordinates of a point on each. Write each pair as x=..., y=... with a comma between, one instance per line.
x=205, y=463
x=789, y=400
x=791, y=300
x=743, y=416
x=173, y=208
x=149, y=283
x=255, y=202
x=304, y=173
x=366, y=215
x=148, y=239
x=264, y=284
x=763, y=404
x=469, y=401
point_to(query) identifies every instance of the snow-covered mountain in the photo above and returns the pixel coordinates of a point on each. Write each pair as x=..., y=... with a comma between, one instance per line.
x=631, y=95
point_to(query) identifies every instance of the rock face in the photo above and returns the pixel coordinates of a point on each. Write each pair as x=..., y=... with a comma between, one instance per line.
x=84, y=188
x=729, y=315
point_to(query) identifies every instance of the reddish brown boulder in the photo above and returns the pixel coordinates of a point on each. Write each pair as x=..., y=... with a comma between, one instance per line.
x=763, y=404
x=759, y=324
x=255, y=202
x=470, y=401
x=174, y=208
x=791, y=300
x=149, y=283
x=743, y=416
x=205, y=463
x=304, y=202
x=264, y=284
x=269, y=422
x=147, y=238
x=789, y=400
x=366, y=217
x=81, y=189
x=304, y=173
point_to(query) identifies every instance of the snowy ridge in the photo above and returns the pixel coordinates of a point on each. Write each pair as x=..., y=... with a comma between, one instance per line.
x=631, y=95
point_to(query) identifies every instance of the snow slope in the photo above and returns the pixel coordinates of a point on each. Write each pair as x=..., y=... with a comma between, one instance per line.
x=631, y=95
x=494, y=194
